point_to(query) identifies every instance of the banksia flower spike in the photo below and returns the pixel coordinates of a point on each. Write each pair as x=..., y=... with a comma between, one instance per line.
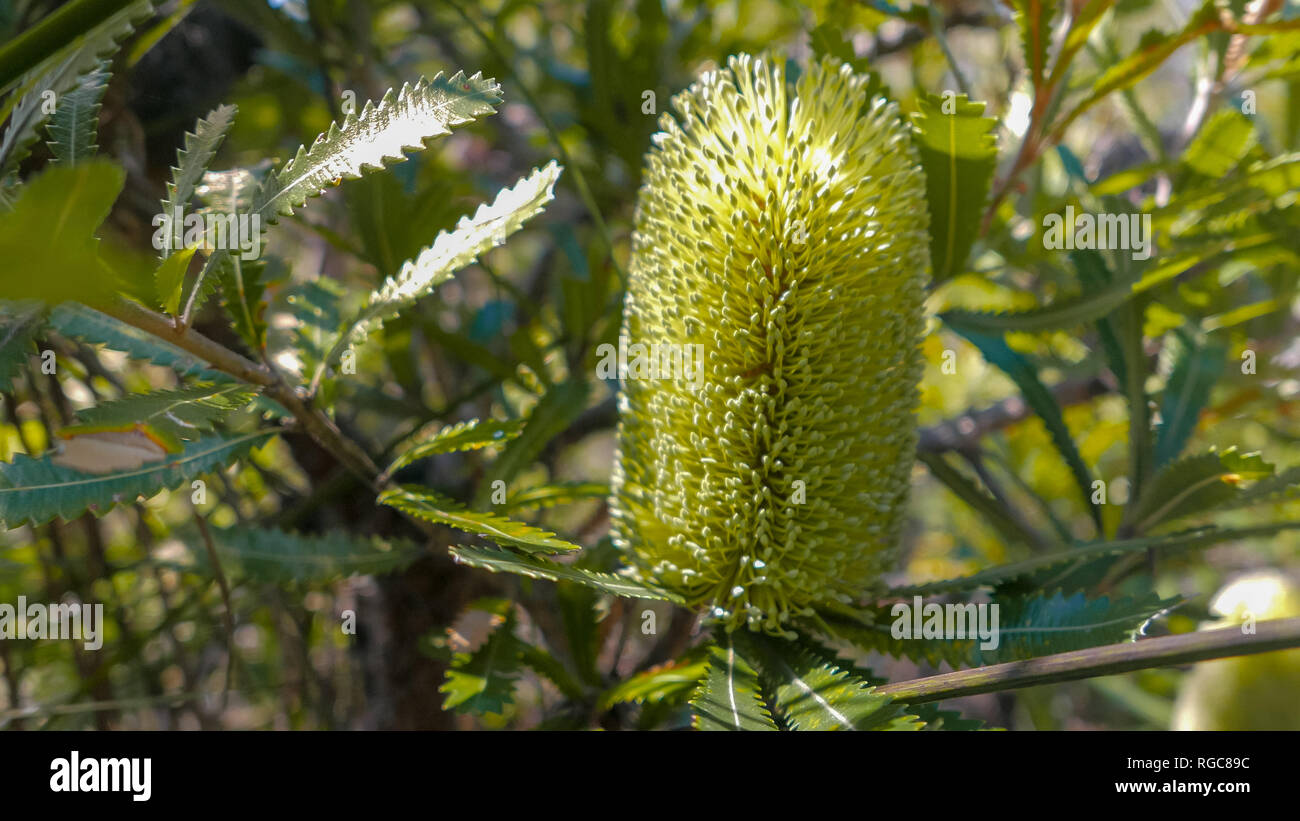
x=781, y=233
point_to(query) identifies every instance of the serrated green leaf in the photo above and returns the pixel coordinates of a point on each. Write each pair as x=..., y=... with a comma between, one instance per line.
x=59, y=72
x=729, y=697
x=812, y=692
x=507, y=561
x=92, y=28
x=433, y=507
x=1034, y=21
x=1095, y=275
x=1194, y=484
x=266, y=555
x=77, y=321
x=959, y=153
x=377, y=137
x=1038, y=397
x=484, y=681
x=37, y=490
x=192, y=162
x=662, y=683
x=74, y=126
x=1197, y=366
x=558, y=493
x=1087, y=306
x=1181, y=540
x=1026, y=626
x=472, y=434
x=552, y=414
x=1153, y=49
x=451, y=251
x=19, y=322
x=183, y=414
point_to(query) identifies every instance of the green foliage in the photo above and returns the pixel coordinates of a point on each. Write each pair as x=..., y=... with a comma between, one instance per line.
x=37, y=490
x=74, y=126
x=64, y=206
x=77, y=321
x=450, y=252
x=469, y=435
x=813, y=692
x=377, y=137
x=730, y=697
x=1195, y=484
x=483, y=681
x=277, y=556
x=958, y=151
x=433, y=507
x=501, y=559
x=493, y=373
x=1028, y=625
x=19, y=324
x=182, y=415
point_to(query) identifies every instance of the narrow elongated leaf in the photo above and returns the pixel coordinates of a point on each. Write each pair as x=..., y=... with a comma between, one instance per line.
x=1038, y=397
x=191, y=163
x=93, y=26
x=1095, y=275
x=1181, y=540
x=377, y=137
x=74, y=126
x=19, y=322
x=959, y=153
x=664, y=682
x=552, y=414
x=425, y=504
x=469, y=435
x=1087, y=306
x=1195, y=484
x=1153, y=49
x=814, y=693
x=37, y=490
x=484, y=681
x=184, y=414
x=1197, y=366
x=729, y=697
x=1034, y=20
x=500, y=560
x=58, y=74
x=1025, y=626
x=559, y=493
x=265, y=555
x=77, y=321
x=450, y=252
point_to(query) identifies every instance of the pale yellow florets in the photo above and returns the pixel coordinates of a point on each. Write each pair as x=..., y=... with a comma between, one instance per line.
x=783, y=228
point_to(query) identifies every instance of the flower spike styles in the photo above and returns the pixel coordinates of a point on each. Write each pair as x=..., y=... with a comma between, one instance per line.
x=781, y=233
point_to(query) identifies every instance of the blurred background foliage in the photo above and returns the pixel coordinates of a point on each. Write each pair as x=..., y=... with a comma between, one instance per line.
x=585, y=82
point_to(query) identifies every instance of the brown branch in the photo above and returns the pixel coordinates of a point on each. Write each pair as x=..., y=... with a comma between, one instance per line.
x=317, y=424
x=1166, y=651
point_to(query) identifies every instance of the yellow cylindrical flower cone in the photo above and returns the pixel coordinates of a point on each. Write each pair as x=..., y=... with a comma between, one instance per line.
x=779, y=262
